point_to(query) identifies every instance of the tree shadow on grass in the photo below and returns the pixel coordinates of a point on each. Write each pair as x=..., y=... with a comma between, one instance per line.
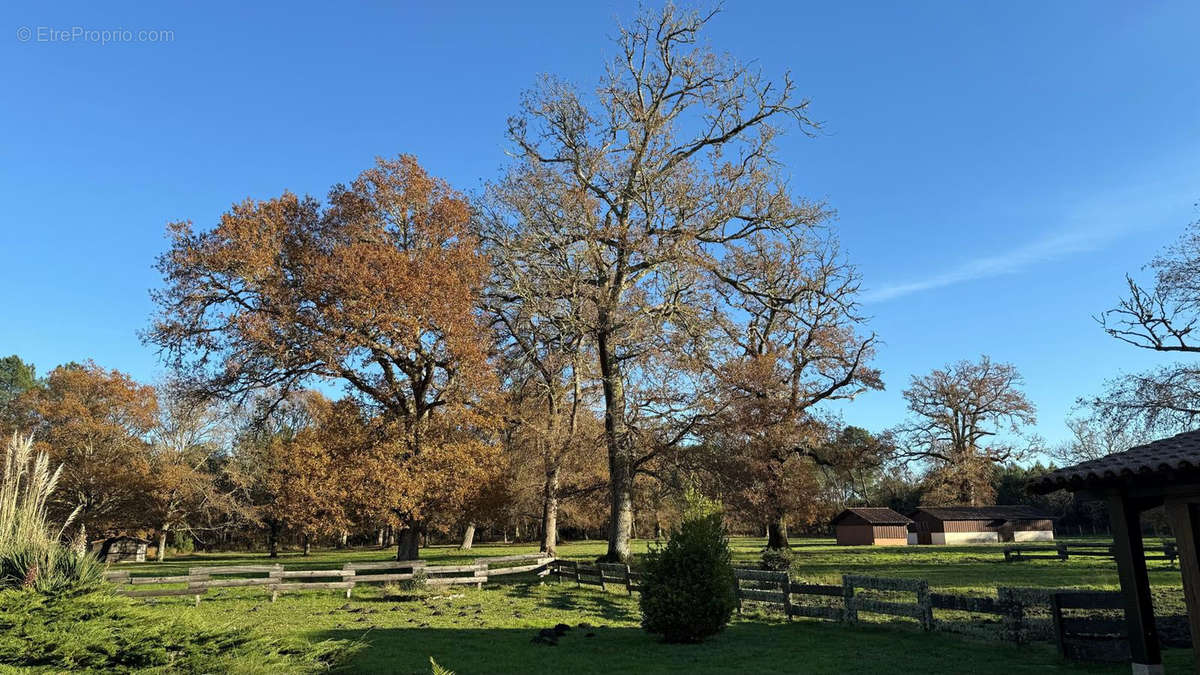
x=586, y=601
x=744, y=647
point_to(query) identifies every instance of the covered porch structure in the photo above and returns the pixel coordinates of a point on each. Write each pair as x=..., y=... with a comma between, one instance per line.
x=1165, y=472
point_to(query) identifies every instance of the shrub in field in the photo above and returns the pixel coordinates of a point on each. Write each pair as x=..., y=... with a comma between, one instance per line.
x=688, y=587
x=31, y=550
x=776, y=559
x=101, y=632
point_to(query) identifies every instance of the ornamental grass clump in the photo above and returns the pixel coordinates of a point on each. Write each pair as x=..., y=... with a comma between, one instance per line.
x=32, y=554
x=688, y=589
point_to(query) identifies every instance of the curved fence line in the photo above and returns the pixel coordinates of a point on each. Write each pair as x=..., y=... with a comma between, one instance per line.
x=274, y=578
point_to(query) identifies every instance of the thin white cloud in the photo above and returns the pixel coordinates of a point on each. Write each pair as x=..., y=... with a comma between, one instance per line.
x=1045, y=250
x=1096, y=219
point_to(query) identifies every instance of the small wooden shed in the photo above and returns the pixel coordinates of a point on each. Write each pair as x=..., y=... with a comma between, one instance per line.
x=871, y=525
x=120, y=549
x=979, y=525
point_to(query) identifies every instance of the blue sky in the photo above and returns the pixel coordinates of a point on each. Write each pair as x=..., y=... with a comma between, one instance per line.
x=996, y=167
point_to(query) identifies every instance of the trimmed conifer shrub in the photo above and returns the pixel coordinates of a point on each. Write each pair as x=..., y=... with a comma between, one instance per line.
x=688, y=586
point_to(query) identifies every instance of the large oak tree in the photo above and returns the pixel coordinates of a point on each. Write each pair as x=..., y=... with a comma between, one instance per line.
x=376, y=289
x=966, y=419
x=627, y=196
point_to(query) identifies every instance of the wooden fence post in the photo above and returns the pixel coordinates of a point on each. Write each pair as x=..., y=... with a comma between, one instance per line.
x=786, y=587
x=851, y=611
x=737, y=591
x=926, y=605
x=1057, y=619
x=1014, y=615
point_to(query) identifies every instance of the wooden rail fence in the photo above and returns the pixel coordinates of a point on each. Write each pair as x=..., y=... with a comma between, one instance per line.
x=275, y=579
x=1089, y=638
x=599, y=574
x=1014, y=614
x=1063, y=551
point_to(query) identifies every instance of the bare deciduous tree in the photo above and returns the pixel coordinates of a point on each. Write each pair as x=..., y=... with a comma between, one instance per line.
x=793, y=336
x=966, y=418
x=540, y=332
x=1164, y=318
x=184, y=488
x=1093, y=437
x=629, y=198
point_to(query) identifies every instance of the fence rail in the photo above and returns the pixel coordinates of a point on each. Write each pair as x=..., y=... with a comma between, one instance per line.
x=1064, y=550
x=1013, y=614
x=275, y=579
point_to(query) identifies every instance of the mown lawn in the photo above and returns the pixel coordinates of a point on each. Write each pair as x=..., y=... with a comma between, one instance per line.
x=489, y=631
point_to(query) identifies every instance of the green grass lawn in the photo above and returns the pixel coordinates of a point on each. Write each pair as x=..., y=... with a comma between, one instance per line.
x=489, y=630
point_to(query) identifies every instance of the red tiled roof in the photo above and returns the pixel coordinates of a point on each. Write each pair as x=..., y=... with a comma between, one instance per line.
x=1161, y=458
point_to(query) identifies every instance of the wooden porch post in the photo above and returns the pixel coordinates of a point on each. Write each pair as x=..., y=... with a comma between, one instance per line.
x=1185, y=522
x=1135, y=585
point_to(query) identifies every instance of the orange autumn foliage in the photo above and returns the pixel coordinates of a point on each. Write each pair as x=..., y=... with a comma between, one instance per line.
x=376, y=289
x=94, y=423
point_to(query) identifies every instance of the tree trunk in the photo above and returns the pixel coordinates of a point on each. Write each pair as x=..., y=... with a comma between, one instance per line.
x=777, y=535
x=408, y=543
x=620, y=531
x=550, y=512
x=273, y=541
x=620, y=459
x=468, y=539
x=391, y=536
x=162, y=543
x=307, y=544
x=379, y=538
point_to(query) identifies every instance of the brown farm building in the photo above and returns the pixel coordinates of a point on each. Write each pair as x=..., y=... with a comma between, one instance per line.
x=979, y=525
x=865, y=526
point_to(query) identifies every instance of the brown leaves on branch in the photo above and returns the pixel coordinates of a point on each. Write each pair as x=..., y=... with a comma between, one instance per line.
x=94, y=422
x=377, y=289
